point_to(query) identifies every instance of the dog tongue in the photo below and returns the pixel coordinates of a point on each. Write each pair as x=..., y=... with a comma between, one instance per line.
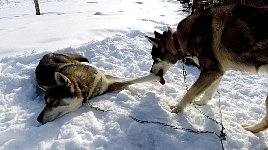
x=162, y=80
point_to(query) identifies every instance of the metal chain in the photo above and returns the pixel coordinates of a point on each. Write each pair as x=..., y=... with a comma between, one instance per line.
x=163, y=124
x=97, y=108
x=184, y=73
x=222, y=135
x=158, y=123
x=172, y=126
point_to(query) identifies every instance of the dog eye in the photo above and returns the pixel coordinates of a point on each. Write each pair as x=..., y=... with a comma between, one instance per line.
x=48, y=100
x=157, y=60
x=63, y=103
x=52, y=103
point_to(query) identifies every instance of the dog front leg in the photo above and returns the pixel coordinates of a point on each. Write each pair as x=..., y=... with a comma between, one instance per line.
x=261, y=125
x=208, y=93
x=205, y=80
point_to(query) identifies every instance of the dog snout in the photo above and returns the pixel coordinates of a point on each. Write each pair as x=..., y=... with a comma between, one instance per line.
x=156, y=71
x=160, y=72
x=153, y=71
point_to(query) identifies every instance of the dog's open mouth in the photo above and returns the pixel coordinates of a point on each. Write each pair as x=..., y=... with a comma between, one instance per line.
x=161, y=74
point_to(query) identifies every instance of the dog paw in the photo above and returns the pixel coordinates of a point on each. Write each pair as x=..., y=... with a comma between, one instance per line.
x=172, y=107
x=250, y=128
x=177, y=109
x=244, y=125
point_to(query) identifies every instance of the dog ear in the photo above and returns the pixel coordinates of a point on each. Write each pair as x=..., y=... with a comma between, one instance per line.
x=62, y=80
x=153, y=41
x=170, y=30
x=157, y=35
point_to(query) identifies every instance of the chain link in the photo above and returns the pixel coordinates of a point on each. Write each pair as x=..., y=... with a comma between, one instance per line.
x=97, y=108
x=172, y=126
x=184, y=73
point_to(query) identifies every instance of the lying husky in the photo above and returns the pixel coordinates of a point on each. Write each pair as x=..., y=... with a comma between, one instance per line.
x=219, y=39
x=68, y=83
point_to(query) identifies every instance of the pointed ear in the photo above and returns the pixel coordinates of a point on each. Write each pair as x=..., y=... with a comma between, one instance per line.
x=153, y=41
x=170, y=30
x=157, y=35
x=62, y=80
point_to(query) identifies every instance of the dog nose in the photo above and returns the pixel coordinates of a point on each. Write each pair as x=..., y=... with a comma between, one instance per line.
x=151, y=71
x=40, y=117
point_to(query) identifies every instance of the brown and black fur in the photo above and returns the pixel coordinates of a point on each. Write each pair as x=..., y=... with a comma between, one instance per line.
x=67, y=83
x=50, y=63
x=219, y=39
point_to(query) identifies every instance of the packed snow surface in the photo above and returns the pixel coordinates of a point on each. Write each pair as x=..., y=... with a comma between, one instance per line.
x=110, y=33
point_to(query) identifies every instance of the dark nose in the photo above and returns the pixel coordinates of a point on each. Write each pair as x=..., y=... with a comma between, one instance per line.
x=40, y=117
x=151, y=71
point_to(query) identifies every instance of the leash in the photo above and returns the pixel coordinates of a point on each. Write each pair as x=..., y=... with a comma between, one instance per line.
x=222, y=135
x=158, y=123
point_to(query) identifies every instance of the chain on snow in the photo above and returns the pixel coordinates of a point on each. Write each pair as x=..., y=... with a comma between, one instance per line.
x=166, y=125
x=158, y=123
x=221, y=136
x=97, y=108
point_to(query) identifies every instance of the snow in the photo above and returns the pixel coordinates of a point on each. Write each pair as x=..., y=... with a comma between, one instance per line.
x=111, y=35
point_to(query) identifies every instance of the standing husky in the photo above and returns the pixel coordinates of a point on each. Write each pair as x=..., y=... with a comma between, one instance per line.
x=218, y=39
x=67, y=83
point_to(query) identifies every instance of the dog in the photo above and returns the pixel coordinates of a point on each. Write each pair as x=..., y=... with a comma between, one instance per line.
x=218, y=39
x=68, y=81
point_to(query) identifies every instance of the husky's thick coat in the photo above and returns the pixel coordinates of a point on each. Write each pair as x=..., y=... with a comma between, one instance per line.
x=68, y=83
x=218, y=39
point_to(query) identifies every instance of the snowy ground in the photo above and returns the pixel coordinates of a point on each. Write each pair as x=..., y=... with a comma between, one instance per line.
x=111, y=35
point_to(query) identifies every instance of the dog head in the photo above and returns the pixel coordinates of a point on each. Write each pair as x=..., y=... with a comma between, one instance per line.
x=164, y=52
x=63, y=98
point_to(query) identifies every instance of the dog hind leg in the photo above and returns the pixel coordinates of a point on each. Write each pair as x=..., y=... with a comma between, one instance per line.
x=261, y=125
x=204, y=81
